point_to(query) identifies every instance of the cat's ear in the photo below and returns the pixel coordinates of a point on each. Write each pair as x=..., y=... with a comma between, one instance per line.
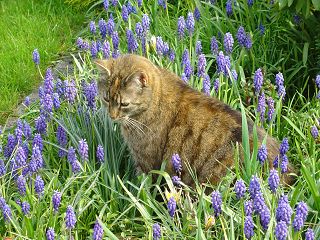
x=104, y=66
x=140, y=78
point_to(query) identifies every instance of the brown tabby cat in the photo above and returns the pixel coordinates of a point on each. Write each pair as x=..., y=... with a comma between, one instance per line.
x=160, y=115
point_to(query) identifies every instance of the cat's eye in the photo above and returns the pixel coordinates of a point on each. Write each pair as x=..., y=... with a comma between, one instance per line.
x=124, y=104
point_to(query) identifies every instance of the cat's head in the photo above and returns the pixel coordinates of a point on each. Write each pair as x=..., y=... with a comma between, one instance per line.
x=124, y=87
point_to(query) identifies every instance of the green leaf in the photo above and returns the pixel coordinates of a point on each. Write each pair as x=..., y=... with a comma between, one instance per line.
x=316, y=4
x=283, y=3
x=312, y=185
x=295, y=127
x=290, y=3
x=305, y=53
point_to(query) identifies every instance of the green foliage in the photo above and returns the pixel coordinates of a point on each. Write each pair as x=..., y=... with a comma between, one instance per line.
x=306, y=7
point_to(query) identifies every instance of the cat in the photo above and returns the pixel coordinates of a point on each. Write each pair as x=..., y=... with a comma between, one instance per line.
x=160, y=115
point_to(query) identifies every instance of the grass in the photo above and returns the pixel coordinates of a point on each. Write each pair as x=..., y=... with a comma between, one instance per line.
x=127, y=205
x=47, y=25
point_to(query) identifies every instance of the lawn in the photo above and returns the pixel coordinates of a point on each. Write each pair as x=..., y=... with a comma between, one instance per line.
x=47, y=25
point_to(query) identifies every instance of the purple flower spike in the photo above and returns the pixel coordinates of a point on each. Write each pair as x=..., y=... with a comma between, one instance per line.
x=214, y=46
x=70, y=218
x=198, y=47
x=50, y=234
x=36, y=57
x=106, y=49
x=241, y=36
x=284, y=164
x=115, y=40
x=271, y=110
x=2, y=168
x=281, y=231
x=248, y=227
x=92, y=27
x=314, y=132
x=56, y=200
x=97, y=231
x=181, y=27
x=280, y=85
x=284, y=146
x=228, y=42
x=176, y=181
x=156, y=231
x=172, y=205
x=309, y=234
x=102, y=27
x=27, y=101
x=265, y=218
x=139, y=30
x=106, y=4
x=197, y=14
x=70, y=91
x=176, y=163
x=110, y=25
x=258, y=203
x=258, y=81
x=284, y=211
x=240, y=188
x=206, y=84
x=125, y=13
x=202, y=66
x=254, y=186
x=262, y=154
x=145, y=22
x=273, y=180
x=190, y=23
x=317, y=81
x=83, y=149
x=39, y=185
x=216, y=201
x=248, y=207
x=221, y=63
x=25, y=207
x=229, y=8
x=6, y=212
x=216, y=85
x=21, y=184
x=132, y=42
x=100, y=154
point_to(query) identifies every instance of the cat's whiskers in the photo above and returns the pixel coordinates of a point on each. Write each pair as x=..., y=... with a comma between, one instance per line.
x=143, y=125
x=132, y=125
x=135, y=124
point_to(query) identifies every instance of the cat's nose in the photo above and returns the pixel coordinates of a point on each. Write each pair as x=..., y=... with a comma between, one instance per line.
x=114, y=113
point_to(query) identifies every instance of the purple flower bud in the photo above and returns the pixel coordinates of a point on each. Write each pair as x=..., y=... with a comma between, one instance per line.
x=36, y=56
x=83, y=149
x=248, y=42
x=139, y=30
x=190, y=23
x=302, y=210
x=56, y=101
x=216, y=85
x=273, y=180
x=258, y=203
x=214, y=46
x=284, y=164
x=131, y=8
x=229, y=8
x=265, y=218
x=181, y=27
x=56, y=200
x=250, y=3
x=184, y=78
x=284, y=211
x=115, y=40
x=70, y=91
x=37, y=140
x=271, y=110
x=20, y=158
x=202, y=65
x=284, y=146
x=221, y=62
x=75, y=167
x=94, y=49
x=258, y=81
x=106, y=49
x=39, y=185
x=48, y=84
x=309, y=234
x=216, y=201
x=11, y=144
x=25, y=207
x=254, y=186
x=21, y=184
x=114, y=2
x=145, y=22
x=27, y=101
x=156, y=231
x=262, y=154
x=197, y=14
x=280, y=85
x=6, y=212
x=176, y=163
x=162, y=3
x=248, y=227
x=125, y=13
x=281, y=231
x=314, y=132
x=71, y=155
x=240, y=188
x=206, y=85
x=176, y=181
x=50, y=234
x=70, y=218
x=97, y=231
x=262, y=29
x=228, y=42
x=241, y=36
x=198, y=47
x=100, y=153
x=36, y=161
x=102, y=27
x=172, y=205
x=2, y=168
x=92, y=27
x=317, y=81
x=79, y=42
x=106, y=4
x=248, y=207
x=47, y=103
x=132, y=42
x=234, y=75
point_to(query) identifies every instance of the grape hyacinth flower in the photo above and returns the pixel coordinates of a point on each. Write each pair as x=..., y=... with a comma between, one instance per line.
x=206, y=84
x=47, y=103
x=37, y=140
x=234, y=75
x=50, y=234
x=216, y=85
x=248, y=42
x=248, y=227
x=139, y=30
x=102, y=27
x=97, y=231
x=27, y=101
x=21, y=184
x=172, y=205
x=36, y=161
x=39, y=185
x=176, y=163
x=106, y=4
x=216, y=201
x=258, y=81
x=25, y=207
x=248, y=207
x=284, y=164
x=250, y=3
x=100, y=153
x=91, y=92
x=56, y=101
x=94, y=49
x=20, y=158
x=229, y=8
x=184, y=78
x=79, y=42
x=228, y=42
x=83, y=149
x=240, y=188
x=254, y=186
x=145, y=23
x=132, y=42
x=110, y=25
x=309, y=234
x=2, y=168
x=48, y=84
x=202, y=65
x=214, y=46
x=280, y=85
x=188, y=69
x=71, y=155
x=6, y=212
x=172, y=55
x=190, y=23
x=284, y=146
x=162, y=3
x=59, y=88
x=92, y=27
x=271, y=110
x=198, y=47
x=156, y=231
x=281, y=231
x=131, y=8
x=176, y=181
x=221, y=63
x=197, y=14
x=56, y=200
x=139, y=3
x=160, y=46
x=265, y=218
x=125, y=13
x=317, y=81
x=75, y=167
x=11, y=144
x=273, y=180
x=314, y=132
x=300, y=217
x=70, y=218
x=70, y=91
x=262, y=29
x=36, y=57
x=27, y=132
x=181, y=27
x=115, y=40
x=284, y=211
x=114, y=2
x=106, y=50
x=241, y=36
x=259, y=204
x=262, y=154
